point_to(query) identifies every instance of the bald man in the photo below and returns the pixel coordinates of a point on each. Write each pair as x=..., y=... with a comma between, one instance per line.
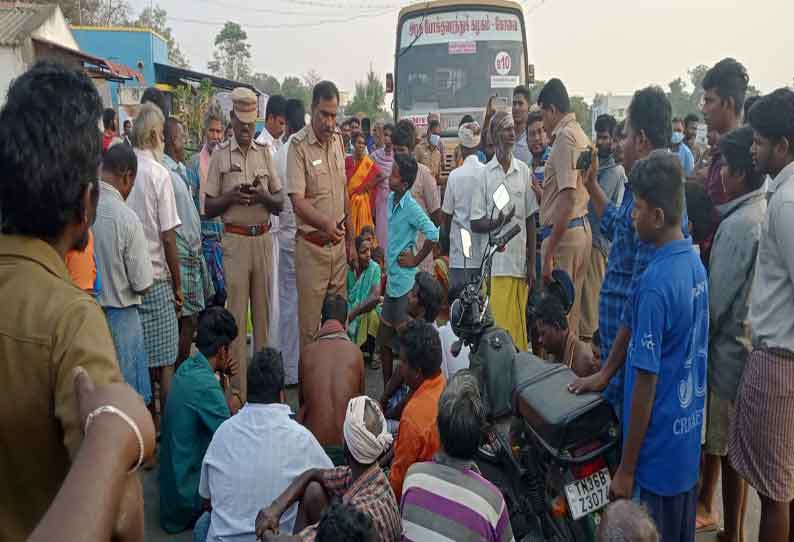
x=331, y=373
x=626, y=520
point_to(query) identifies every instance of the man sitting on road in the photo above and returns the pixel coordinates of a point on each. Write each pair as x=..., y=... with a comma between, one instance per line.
x=362, y=484
x=448, y=497
x=560, y=341
x=197, y=406
x=626, y=520
x=331, y=374
x=420, y=353
x=254, y=456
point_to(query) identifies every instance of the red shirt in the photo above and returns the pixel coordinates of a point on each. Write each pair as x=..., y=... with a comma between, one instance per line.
x=713, y=184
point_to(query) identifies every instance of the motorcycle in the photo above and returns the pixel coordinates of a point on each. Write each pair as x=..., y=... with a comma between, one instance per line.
x=551, y=453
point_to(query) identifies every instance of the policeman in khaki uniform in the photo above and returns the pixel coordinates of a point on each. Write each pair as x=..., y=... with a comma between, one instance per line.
x=243, y=188
x=318, y=191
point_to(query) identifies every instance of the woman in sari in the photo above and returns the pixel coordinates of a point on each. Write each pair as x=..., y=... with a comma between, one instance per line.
x=363, y=301
x=383, y=158
x=362, y=175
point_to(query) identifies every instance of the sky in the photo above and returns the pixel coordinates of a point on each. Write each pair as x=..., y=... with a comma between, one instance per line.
x=613, y=46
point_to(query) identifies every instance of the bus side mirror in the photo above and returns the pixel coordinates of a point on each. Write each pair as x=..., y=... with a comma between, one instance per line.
x=389, y=82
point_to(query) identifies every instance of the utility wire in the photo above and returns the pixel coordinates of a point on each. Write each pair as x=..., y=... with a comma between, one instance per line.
x=326, y=4
x=270, y=11
x=284, y=25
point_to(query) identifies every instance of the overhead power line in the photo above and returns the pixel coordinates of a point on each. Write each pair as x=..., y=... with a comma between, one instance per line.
x=283, y=25
x=270, y=11
x=339, y=5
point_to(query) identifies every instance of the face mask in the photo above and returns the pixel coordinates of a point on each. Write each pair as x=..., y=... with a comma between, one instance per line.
x=434, y=139
x=677, y=138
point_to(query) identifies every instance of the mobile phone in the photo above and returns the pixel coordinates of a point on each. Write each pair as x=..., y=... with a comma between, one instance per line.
x=342, y=222
x=582, y=158
x=247, y=188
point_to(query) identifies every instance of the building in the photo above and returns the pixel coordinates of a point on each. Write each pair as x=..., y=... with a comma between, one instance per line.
x=148, y=52
x=33, y=32
x=610, y=104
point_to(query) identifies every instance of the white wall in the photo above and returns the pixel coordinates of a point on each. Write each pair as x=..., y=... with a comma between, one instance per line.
x=56, y=30
x=11, y=66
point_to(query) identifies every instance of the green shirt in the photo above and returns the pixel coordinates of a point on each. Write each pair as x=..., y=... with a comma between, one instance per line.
x=195, y=408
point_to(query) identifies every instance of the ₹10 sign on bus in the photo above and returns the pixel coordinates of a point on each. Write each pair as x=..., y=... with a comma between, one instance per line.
x=451, y=60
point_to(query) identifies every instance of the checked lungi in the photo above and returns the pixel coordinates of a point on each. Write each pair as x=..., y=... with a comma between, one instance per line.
x=761, y=445
x=160, y=326
x=196, y=284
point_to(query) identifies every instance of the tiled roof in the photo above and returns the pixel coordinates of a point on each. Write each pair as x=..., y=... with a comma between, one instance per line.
x=18, y=20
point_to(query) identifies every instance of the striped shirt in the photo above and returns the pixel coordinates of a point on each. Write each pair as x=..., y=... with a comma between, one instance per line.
x=448, y=500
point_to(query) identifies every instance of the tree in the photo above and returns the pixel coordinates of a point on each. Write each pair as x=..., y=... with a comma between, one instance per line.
x=368, y=99
x=680, y=98
x=232, y=54
x=293, y=87
x=189, y=106
x=584, y=113
x=311, y=78
x=93, y=12
x=155, y=19
x=266, y=83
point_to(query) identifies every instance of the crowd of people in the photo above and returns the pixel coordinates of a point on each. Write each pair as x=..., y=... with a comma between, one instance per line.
x=211, y=284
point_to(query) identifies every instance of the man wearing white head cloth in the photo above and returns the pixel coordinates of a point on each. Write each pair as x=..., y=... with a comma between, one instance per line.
x=513, y=271
x=361, y=484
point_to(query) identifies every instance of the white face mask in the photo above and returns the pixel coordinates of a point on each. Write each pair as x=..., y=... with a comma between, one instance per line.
x=434, y=139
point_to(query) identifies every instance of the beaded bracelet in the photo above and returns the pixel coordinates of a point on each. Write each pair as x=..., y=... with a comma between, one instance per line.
x=110, y=409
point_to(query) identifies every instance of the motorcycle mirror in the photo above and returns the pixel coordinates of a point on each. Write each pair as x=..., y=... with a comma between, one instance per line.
x=456, y=348
x=501, y=197
x=465, y=241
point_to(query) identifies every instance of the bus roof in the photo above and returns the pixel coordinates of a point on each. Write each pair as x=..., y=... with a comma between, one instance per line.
x=434, y=4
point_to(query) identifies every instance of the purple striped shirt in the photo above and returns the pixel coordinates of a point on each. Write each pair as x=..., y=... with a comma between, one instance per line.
x=448, y=499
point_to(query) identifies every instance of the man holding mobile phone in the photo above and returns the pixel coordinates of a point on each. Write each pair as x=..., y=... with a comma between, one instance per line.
x=565, y=232
x=243, y=188
x=318, y=192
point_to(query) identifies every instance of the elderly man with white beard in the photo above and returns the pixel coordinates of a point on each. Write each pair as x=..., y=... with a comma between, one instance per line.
x=513, y=271
x=152, y=199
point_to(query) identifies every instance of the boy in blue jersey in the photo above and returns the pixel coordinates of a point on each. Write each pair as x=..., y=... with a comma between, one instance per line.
x=665, y=385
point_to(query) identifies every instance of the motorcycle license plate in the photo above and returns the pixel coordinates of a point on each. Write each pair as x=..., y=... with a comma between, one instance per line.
x=588, y=494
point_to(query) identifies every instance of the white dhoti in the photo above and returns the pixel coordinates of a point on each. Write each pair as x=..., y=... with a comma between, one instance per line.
x=273, y=327
x=288, y=333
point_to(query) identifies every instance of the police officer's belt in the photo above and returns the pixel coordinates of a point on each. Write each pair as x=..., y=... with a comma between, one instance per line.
x=317, y=238
x=253, y=230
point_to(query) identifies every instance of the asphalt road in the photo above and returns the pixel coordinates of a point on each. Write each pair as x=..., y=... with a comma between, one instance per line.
x=374, y=387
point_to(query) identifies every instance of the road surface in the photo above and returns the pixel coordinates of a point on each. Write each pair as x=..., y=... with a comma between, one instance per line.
x=374, y=387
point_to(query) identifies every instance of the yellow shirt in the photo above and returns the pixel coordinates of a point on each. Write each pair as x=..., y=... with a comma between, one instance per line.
x=50, y=327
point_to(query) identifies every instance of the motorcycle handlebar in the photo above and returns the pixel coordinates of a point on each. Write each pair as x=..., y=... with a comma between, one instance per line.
x=507, y=236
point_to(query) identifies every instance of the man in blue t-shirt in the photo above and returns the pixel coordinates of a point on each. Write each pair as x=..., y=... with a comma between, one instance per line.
x=665, y=386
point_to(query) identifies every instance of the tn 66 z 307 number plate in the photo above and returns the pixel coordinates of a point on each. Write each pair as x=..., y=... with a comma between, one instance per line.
x=589, y=494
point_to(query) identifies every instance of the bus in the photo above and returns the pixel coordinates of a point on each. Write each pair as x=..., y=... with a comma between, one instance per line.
x=452, y=56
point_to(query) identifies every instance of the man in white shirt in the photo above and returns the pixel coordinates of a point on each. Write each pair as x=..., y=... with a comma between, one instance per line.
x=271, y=137
x=254, y=456
x=513, y=271
x=152, y=199
x=462, y=183
x=761, y=447
x=288, y=330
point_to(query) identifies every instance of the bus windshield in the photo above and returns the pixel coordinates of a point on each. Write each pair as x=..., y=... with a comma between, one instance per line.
x=451, y=63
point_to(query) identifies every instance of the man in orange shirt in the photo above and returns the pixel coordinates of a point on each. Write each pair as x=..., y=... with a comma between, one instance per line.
x=420, y=353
